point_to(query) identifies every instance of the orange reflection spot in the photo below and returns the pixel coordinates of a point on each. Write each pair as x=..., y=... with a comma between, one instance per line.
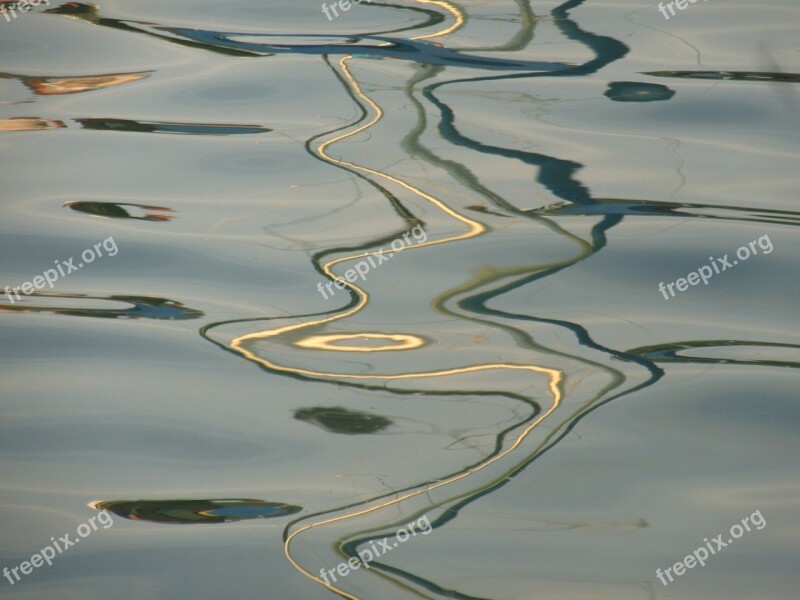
x=53, y=86
x=29, y=124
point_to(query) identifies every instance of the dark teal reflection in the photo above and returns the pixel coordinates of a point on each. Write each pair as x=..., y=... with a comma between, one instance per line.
x=187, y=512
x=115, y=210
x=374, y=45
x=164, y=127
x=633, y=91
x=671, y=352
x=340, y=420
x=734, y=75
x=208, y=40
x=144, y=307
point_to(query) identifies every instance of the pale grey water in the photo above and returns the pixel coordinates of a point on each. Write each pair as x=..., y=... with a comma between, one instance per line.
x=522, y=382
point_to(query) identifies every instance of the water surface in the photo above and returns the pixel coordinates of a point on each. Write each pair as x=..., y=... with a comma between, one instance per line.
x=509, y=371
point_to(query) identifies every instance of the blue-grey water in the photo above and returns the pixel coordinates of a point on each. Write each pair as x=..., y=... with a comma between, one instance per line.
x=522, y=274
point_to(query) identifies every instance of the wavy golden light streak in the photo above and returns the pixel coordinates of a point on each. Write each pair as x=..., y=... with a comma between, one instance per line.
x=555, y=381
x=457, y=12
x=324, y=342
x=475, y=227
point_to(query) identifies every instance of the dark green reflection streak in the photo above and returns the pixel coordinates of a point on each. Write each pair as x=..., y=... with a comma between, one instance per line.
x=668, y=353
x=336, y=419
x=624, y=207
x=117, y=210
x=90, y=14
x=144, y=307
x=557, y=176
x=131, y=125
x=405, y=214
x=196, y=511
x=412, y=145
x=729, y=75
x=523, y=37
x=557, y=172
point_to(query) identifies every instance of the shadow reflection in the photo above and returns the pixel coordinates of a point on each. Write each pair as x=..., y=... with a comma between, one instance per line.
x=193, y=512
x=115, y=210
x=336, y=419
x=143, y=307
x=107, y=124
x=56, y=86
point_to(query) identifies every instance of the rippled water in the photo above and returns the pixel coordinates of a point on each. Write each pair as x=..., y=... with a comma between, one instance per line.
x=512, y=197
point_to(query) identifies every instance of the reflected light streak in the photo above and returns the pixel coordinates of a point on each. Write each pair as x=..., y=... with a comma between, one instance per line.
x=326, y=342
x=556, y=378
x=458, y=15
x=475, y=227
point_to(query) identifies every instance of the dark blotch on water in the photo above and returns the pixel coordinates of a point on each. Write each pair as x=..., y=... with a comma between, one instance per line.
x=182, y=512
x=633, y=91
x=341, y=420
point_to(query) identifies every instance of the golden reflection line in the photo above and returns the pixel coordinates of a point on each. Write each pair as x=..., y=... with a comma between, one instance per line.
x=458, y=14
x=401, y=341
x=456, y=11
x=475, y=228
x=556, y=378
